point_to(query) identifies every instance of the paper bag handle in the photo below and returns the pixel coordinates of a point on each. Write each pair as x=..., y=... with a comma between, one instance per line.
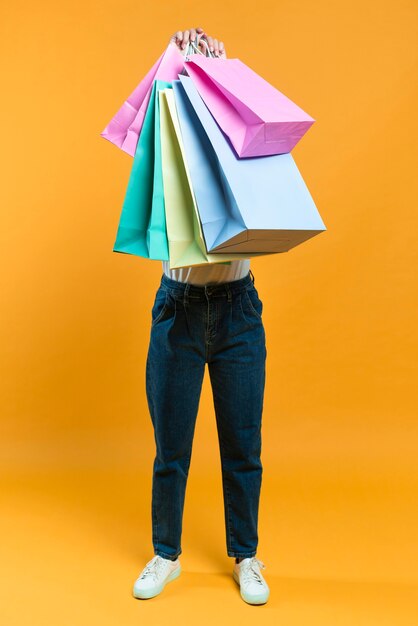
x=191, y=48
x=208, y=52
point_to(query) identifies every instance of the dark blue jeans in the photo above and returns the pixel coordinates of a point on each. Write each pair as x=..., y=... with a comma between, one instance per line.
x=221, y=325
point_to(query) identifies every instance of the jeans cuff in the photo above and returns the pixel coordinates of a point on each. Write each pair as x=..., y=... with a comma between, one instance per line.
x=165, y=555
x=241, y=555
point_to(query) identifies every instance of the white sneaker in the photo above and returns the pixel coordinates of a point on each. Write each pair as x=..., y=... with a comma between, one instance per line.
x=153, y=578
x=253, y=587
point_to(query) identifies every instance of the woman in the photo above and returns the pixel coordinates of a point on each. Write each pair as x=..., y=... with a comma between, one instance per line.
x=206, y=314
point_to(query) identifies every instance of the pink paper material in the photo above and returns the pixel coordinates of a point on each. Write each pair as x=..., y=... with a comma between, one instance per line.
x=258, y=119
x=125, y=127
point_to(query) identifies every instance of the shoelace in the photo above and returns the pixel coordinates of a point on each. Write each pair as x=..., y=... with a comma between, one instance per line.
x=154, y=568
x=249, y=571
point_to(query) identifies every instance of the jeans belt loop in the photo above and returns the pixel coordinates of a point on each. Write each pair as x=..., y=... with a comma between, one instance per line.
x=252, y=277
x=186, y=295
x=228, y=290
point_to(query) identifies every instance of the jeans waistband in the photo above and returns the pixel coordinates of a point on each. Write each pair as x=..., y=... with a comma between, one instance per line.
x=187, y=290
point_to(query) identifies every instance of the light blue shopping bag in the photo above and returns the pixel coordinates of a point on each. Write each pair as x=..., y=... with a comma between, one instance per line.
x=258, y=204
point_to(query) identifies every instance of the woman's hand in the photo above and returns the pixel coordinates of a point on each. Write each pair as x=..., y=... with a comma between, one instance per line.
x=182, y=37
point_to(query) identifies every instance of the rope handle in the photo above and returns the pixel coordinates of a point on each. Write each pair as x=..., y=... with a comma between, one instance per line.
x=191, y=48
x=208, y=52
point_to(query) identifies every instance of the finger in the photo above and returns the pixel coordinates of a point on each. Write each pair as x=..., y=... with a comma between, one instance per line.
x=202, y=43
x=177, y=38
x=210, y=42
x=200, y=32
x=186, y=35
x=221, y=49
x=192, y=34
x=216, y=47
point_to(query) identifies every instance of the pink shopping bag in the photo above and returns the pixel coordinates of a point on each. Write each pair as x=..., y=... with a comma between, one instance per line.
x=125, y=127
x=258, y=119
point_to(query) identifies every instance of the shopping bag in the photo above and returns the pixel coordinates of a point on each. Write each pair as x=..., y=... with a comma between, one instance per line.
x=125, y=127
x=257, y=118
x=185, y=238
x=142, y=227
x=266, y=205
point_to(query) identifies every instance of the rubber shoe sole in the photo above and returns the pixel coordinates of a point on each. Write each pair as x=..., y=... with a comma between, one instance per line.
x=145, y=594
x=258, y=599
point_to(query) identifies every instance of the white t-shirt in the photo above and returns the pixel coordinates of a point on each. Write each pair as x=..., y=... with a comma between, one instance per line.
x=209, y=273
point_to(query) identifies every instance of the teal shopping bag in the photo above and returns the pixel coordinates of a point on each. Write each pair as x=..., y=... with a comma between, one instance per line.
x=142, y=226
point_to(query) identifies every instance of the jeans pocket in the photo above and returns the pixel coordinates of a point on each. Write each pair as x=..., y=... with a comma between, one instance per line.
x=160, y=306
x=254, y=304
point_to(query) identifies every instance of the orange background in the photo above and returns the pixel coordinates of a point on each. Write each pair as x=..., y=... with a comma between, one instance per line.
x=339, y=500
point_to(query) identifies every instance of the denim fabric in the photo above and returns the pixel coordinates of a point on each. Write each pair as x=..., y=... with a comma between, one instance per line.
x=219, y=324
